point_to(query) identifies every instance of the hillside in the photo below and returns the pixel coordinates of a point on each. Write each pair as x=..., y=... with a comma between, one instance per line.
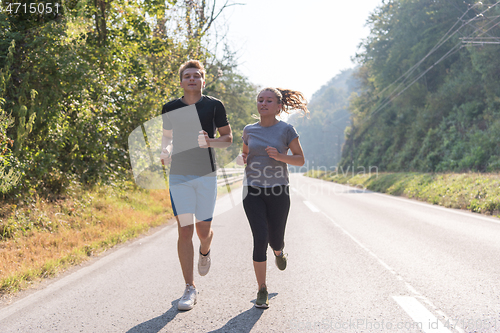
x=322, y=133
x=430, y=83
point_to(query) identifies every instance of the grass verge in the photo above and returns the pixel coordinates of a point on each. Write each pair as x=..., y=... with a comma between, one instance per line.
x=223, y=190
x=475, y=192
x=40, y=238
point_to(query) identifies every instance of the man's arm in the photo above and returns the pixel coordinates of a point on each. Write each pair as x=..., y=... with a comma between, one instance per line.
x=224, y=140
x=166, y=145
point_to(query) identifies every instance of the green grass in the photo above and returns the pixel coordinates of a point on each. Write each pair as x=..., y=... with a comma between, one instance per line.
x=471, y=191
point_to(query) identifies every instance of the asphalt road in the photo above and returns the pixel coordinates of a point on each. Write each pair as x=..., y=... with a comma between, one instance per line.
x=358, y=262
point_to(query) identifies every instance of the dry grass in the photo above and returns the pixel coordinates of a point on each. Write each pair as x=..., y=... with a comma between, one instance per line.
x=41, y=239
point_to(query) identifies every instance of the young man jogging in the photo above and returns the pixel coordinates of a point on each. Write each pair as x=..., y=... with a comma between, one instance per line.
x=192, y=179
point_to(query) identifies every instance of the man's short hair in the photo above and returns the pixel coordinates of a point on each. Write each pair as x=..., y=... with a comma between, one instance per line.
x=192, y=64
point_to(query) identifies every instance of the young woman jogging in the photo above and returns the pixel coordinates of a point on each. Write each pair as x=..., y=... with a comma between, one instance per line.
x=266, y=197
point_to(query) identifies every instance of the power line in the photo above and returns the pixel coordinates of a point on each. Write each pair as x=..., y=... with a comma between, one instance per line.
x=449, y=53
x=488, y=18
x=438, y=44
x=478, y=37
x=465, y=40
x=443, y=39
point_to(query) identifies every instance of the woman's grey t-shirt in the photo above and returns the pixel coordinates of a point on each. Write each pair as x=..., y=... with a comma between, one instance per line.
x=261, y=170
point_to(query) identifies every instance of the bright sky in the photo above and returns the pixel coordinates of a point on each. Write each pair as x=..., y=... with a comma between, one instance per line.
x=297, y=44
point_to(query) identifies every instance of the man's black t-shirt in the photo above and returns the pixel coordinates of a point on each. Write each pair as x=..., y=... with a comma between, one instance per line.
x=195, y=160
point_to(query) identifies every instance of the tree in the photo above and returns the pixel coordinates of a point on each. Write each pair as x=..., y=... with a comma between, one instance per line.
x=428, y=93
x=82, y=80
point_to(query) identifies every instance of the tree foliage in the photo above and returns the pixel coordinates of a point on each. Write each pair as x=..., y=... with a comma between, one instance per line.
x=80, y=81
x=430, y=97
x=9, y=177
x=239, y=98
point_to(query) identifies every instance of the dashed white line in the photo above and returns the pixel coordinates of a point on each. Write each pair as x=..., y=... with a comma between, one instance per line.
x=426, y=321
x=313, y=208
x=441, y=329
x=411, y=289
x=399, y=277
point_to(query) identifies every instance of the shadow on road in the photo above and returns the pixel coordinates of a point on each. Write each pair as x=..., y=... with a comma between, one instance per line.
x=242, y=323
x=245, y=321
x=157, y=324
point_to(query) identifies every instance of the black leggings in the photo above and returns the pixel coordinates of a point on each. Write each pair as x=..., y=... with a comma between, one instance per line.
x=267, y=212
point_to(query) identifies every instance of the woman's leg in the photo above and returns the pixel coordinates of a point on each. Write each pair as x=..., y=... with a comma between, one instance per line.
x=260, y=273
x=279, y=199
x=255, y=210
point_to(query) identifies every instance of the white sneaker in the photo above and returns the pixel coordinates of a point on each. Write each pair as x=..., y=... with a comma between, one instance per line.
x=204, y=264
x=188, y=300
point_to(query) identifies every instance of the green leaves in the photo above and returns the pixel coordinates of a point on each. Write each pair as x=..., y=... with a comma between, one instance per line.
x=427, y=104
x=9, y=176
x=75, y=87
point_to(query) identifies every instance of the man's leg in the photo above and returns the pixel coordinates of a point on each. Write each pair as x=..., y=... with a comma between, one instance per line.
x=205, y=233
x=185, y=246
x=206, y=194
x=183, y=199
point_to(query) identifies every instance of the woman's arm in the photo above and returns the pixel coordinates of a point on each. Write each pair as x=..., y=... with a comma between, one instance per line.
x=242, y=158
x=297, y=157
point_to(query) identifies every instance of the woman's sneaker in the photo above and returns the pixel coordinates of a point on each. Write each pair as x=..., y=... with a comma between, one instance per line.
x=281, y=260
x=262, y=299
x=188, y=300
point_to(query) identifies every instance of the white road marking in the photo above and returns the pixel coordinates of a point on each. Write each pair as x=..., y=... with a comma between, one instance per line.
x=313, y=208
x=411, y=289
x=389, y=268
x=398, y=276
x=420, y=315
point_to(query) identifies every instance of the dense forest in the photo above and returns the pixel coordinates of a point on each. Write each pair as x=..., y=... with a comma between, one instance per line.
x=429, y=98
x=76, y=82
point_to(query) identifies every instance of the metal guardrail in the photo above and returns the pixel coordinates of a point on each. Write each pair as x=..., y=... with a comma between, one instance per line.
x=233, y=175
